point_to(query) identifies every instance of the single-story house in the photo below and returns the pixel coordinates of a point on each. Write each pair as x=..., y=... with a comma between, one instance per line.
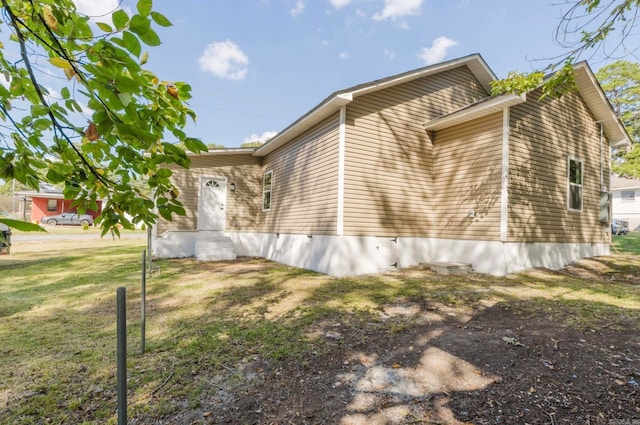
x=45, y=202
x=424, y=166
x=625, y=201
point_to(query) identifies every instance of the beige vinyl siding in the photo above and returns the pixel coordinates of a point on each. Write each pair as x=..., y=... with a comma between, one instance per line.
x=305, y=183
x=543, y=134
x=389, y=157
x=468, y=176
x=242, y=205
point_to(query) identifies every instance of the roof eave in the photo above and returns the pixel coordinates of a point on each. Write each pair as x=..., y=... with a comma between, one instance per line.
x=600, y=107
x=334, y=102
x=321, y=112
x=224, y=151
x=480, y=110
x=474, y=62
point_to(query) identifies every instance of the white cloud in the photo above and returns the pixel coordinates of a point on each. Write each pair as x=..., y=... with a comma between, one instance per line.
x=394, y=9
x=344, y=56
x=360, y=13
x=297, y=9
x=339, y=4
x=266, y=136
x=324, y=43
x=437, y=51
x=224, y=59
x=390, y=54
x=100, y=10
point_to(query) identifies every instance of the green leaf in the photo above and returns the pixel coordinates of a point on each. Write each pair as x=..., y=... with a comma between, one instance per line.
x=55, y=177
x=150, y=38
x=160, y=19
x=195, y=145
x=165, y=212
x=131, y=43
x=144, y=7
x=125, y=98
x=104, y=27
x=39, y=110
x=144, y=58
x=41, y=124
x=60, y=63
x=120, y=19
x=164, y=173
x=139, y=24
x=65, y=93
x=23, y=226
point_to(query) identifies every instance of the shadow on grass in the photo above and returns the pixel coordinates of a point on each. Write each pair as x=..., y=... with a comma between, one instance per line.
x=205, y=321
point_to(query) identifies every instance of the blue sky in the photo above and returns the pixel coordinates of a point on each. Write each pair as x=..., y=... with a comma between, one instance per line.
x=255, y=66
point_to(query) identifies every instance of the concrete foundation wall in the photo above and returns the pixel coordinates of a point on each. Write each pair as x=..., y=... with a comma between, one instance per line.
x=353, y=255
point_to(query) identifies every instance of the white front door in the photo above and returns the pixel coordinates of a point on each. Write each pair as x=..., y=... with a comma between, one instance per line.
x=211, y=203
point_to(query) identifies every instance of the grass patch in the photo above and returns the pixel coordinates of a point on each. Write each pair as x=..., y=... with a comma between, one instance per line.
x=626, y=244
x=57, y=319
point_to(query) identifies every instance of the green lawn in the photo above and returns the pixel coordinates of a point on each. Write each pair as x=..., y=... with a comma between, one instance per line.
x=57, y=319
x=626, y=244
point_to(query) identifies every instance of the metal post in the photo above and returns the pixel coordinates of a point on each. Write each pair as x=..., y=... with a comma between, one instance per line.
x=121, y=331
x=143, y=311
x=149, y=236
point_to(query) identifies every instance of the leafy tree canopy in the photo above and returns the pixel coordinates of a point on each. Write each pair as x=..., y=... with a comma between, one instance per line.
x=252, y=144
x=107, y=125
x=628, y=164
x=588, y=28
x=620, y=81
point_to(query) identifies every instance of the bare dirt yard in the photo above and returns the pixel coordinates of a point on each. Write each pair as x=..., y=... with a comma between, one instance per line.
x=424, y=361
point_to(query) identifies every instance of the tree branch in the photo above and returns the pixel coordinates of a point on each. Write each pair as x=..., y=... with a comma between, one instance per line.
x=54, y=121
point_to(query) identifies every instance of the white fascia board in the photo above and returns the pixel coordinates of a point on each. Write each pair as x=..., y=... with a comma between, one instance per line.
x=307, y=121
x=34, y=194
x=620, y=143
x=482, y=109
x=230, y=151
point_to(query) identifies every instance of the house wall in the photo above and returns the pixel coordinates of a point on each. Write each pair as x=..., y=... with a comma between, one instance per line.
x=542, y=134
x=305, y=183
x=389, y=156
x=39, y=208
x=468, y=176
x=628, y=210
x=242, y=205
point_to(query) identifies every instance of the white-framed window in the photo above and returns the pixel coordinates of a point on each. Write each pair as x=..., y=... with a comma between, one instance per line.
x=267, y=190
x=628, y=195
x=574, y=185
x=52, y=205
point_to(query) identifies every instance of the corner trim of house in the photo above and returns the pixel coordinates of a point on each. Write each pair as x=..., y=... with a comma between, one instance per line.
x=342, y=137
x=504, y=192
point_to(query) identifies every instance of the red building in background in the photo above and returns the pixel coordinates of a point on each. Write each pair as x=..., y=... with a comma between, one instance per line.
x=46, y=202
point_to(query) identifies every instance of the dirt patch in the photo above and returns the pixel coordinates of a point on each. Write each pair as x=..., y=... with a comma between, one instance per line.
x=423, y=362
